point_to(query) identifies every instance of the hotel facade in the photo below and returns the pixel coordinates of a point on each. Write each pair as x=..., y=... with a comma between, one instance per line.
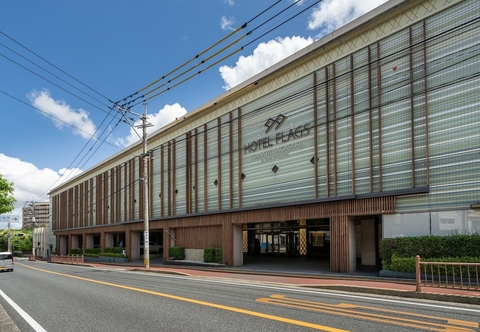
x=370, y=132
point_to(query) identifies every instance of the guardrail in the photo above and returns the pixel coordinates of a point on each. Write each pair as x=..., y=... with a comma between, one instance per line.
x=447, y=275
x=77, y=259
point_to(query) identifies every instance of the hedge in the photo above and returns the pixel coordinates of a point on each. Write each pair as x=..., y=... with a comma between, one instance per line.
x=213, y=255
x=114, y=250
x=398, y=254
x=431, y=246
x=407, y=264
x=177, y=253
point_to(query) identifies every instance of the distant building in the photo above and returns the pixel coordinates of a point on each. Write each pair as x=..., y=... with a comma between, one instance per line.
x=38, y=214
x=35, y=211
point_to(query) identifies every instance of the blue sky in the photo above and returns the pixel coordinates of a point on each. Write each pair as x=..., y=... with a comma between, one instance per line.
x=63, y=63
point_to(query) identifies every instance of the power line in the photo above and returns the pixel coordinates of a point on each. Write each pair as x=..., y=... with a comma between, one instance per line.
x=51, y=64
x=126, y=104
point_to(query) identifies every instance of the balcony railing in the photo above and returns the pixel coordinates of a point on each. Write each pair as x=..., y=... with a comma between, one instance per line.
x=447, y=275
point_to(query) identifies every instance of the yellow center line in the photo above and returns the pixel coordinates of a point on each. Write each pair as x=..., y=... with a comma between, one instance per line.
x=207, y=304
x=348, y=311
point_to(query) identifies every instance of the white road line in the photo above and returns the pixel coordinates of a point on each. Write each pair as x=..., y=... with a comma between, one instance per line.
x=22, y=313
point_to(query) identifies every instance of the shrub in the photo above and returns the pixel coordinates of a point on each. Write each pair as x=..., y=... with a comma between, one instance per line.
x=209, y=255
x=92, y=251
x=430, y=247
x=114, y=250
x=407, y=264
x=76, y=251
x=398, y=254
x=212, y=255
x=111, y=254
x=177, y=253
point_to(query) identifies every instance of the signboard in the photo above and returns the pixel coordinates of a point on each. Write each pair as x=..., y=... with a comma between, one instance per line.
x=146, y=240
x=14, y=220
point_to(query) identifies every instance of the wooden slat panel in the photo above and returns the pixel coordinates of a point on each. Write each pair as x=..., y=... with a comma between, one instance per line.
x=199, y=237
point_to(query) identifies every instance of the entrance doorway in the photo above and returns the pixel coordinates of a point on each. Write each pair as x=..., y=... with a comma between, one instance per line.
x=289, y=238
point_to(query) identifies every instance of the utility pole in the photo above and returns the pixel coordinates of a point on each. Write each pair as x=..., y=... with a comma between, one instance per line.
x=9, y=246
x=33, y=229
x=145, y=156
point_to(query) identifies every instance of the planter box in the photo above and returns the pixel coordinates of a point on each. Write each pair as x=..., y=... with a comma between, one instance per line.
x=90, y=259
x=109, y=259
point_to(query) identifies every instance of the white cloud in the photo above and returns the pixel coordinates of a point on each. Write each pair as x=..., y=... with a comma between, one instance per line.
x=29, y=182
x=229, y=2
x=62, y=114
x=264, y=56
x=226, y=23
x=163, y=117
x=332, y=14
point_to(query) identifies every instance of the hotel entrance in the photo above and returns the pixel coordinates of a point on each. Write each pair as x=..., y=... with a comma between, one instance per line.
x=289, y=238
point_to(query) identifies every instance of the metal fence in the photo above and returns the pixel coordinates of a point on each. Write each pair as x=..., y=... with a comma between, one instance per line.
x=76, y=259
x=447, y=275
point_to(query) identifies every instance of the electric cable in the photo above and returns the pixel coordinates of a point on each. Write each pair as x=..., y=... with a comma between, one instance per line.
x=11, y=50
x=205, y=60
x=214, y=55
x=51, y=64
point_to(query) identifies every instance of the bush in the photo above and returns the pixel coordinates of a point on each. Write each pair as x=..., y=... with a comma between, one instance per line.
x=111, y=254
x=77, y=251
x=407, y=264
x=177, y=253
x=92, y=251
x=212, y=255
x=114, y=250
x=399, y=254
x=450, y=246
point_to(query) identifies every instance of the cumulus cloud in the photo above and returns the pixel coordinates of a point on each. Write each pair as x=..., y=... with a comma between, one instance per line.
x=226, y=23
x=62, y=114
x=163, y=117
x=332, y=14
x=264, y=56
x=31, y=183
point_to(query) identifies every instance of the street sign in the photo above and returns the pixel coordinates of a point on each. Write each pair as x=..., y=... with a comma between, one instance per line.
x=13, y=219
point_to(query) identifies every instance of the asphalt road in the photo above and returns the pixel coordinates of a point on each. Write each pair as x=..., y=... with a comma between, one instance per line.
x=50, y=297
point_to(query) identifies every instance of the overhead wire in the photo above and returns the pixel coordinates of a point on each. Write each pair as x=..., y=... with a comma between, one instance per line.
x=51, y=64
x=201, y=53
x=218, y=53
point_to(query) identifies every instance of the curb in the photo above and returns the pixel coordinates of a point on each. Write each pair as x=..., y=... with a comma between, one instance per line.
x=399, y=293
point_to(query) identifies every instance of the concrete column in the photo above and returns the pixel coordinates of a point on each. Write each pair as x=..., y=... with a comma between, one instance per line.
x=368, y=242
x=237, y=245
x=75, y=242
x=133, y=245
x=89, y=241
x=63, y=244
x=109, y=242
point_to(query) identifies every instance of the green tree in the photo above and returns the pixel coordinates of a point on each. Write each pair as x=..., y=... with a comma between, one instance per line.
x=7, y=200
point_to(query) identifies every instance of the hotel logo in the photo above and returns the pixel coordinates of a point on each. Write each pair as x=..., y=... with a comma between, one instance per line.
x=277, y=122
